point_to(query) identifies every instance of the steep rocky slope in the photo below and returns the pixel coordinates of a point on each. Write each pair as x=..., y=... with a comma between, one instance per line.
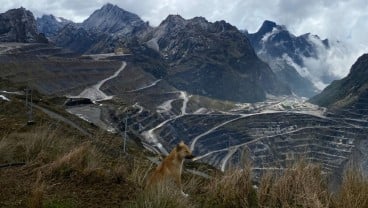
x=78, y=39
x=50, y=25
x=285, y=53
x=112, y=19
x=203, y=58
x=19, y=25
x=349, y=91
x=212, y=59
x=107, y=29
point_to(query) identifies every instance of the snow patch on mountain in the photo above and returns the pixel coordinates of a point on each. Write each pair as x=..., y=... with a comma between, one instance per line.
x=58, y=19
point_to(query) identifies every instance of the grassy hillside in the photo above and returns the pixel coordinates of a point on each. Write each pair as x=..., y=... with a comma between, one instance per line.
x=51, y=164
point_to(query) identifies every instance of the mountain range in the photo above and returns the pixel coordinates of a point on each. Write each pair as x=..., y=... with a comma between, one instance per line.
x=221, y=90
x=111, y=27
x=189, y=48
x=212, y=59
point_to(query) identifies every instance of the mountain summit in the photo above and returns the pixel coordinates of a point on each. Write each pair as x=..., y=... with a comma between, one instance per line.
x=108, y=28
x=112, y=19
x=19, y=25
x=212, y=59
x=276, y=40
x=286, y=55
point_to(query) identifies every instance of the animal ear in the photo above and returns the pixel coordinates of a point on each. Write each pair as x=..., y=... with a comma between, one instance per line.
x=180, y=145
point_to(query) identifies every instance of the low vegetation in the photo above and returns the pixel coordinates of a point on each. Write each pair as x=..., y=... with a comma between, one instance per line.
x=353, y=191
x=301, y=185
x=63, y=168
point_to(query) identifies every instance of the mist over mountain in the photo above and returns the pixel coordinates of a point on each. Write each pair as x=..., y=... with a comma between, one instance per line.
x=304, y=61
x=349, y=92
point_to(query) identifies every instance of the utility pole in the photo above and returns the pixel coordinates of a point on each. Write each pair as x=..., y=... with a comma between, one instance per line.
x=125, y=133
x=29, y=105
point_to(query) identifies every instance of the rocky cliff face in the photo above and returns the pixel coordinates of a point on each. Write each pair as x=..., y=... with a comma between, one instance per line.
x=203, y=58
x=51, y=25
x=105, y=30
x=351, y=91
x=285, y=53
x=112, y=19
x=77, y=39
x=86, y=41
x=276, y=40
x=19, y=25
x=212, y=59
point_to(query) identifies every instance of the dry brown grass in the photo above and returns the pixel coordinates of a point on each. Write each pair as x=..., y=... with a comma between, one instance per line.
x=42, y=144
x=80, y=162
x=353, y=191
x=37, y=193
x=139, y=170
x=165, y=195
x=161, y=196
x=233, y=189
x=302, y=185
x=46, y=149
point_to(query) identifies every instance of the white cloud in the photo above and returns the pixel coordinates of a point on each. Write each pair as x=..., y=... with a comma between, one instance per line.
x=333, y=63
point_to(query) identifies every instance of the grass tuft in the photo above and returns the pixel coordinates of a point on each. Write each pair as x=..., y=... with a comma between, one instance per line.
x=353, y=191
x=41, y=145
x=233, y=189
x=161, y=196
x=37, y=193
x=83, y=160
x=302, y=185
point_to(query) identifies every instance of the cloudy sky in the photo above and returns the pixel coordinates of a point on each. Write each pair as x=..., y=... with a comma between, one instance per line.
x=345, y=20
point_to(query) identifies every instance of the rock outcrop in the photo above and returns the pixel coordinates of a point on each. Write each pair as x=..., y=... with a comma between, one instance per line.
x=114, y=20
x=285, y=53
x=51, y=25
x=351, y=91
x=19, y=25
x=212, y=59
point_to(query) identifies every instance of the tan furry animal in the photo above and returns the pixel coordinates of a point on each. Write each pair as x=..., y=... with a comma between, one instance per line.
x=171, y=167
